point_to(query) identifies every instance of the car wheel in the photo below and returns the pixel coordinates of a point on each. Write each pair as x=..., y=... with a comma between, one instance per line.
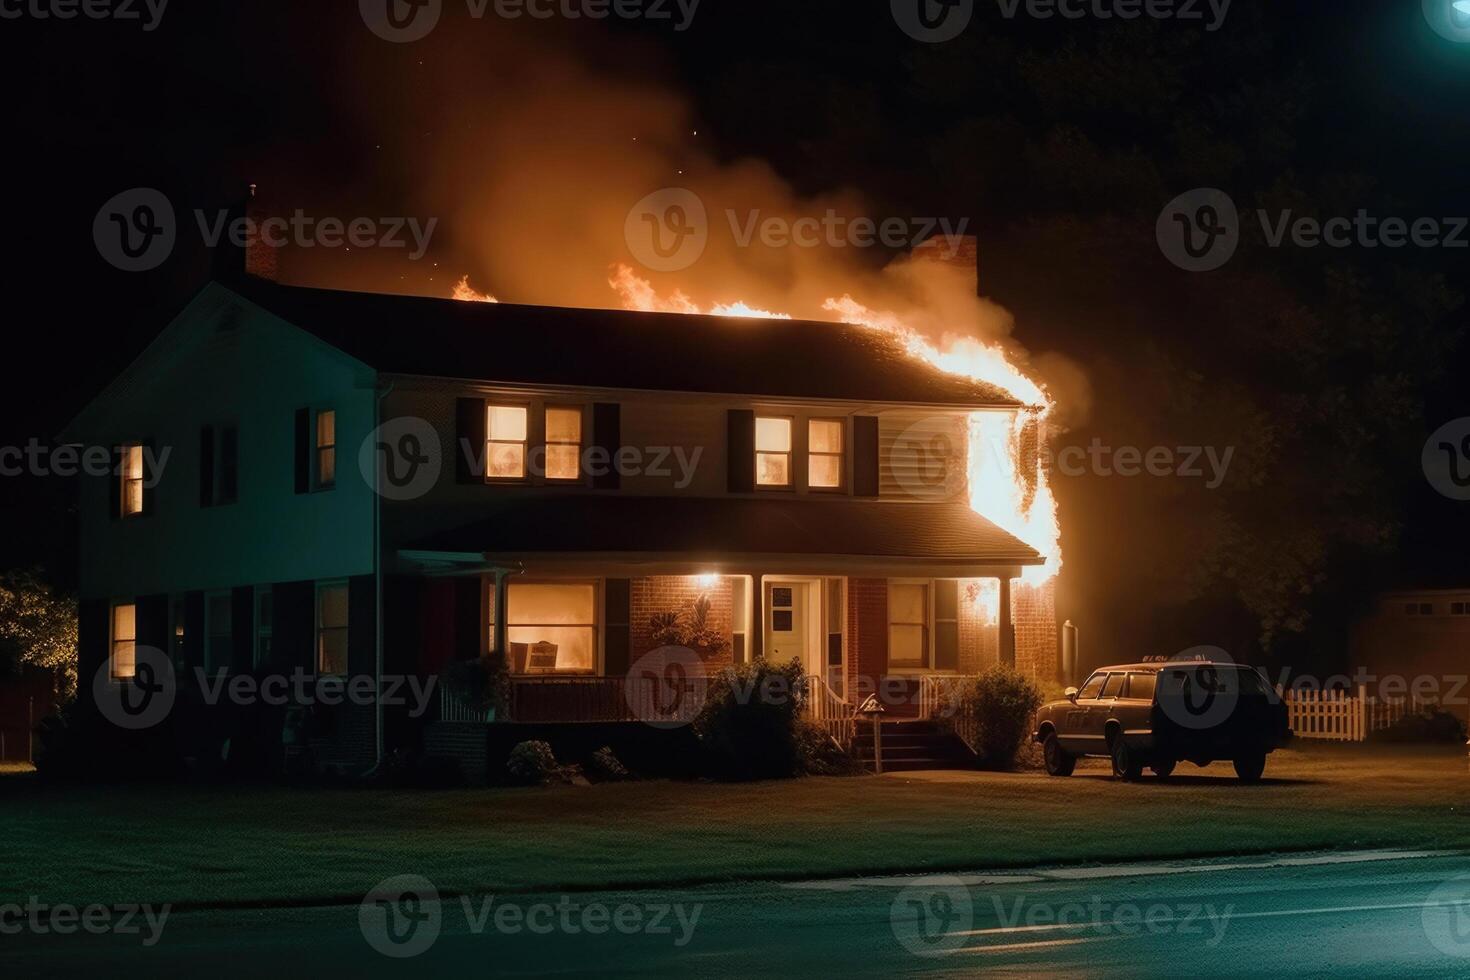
x=1250, y=767
x=1126, y=764
x=1059, y=762
x=1163, y=768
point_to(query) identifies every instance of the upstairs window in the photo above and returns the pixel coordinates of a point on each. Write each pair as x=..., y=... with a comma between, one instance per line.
x=331, y=629
x=219, y=465
x=131, y=478
x=326, y=449
x=505, y=450
x=772, y=451
x=824, y=454
x=563, y=443
x=124, y=641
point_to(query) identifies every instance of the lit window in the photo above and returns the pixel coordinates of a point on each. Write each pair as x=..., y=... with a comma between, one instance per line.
x=551, y=627
x=824, y=454
x=219, y=640
x=908, y=625
x=124, y=641
x=331, y=629
x=563, y=443
x=326, y=449
x=132, y=479
x=505, y=428
x=773, y=452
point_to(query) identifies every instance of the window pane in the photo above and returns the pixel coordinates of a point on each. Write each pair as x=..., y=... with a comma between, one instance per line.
x=947, y=599
x=557, y=604
x=332, y=652
x=1093, y=685
x=946, y=645
x=575, y=648
x=908, y=604
x=124, y=660
x=773, y=435
x=333, y=600
x=1141, y=686
x=133, y=468
x=507, y=460
x=124, y=622
x=133, y=497
x=326, y=428
x=1113, y=687
x=824, y=436
x=772, y=469
x=906, y=646
x=326, y=467
x=824, y=471
x=506, y=422
x=267, y=605
x=561, y=463
x=563, y=425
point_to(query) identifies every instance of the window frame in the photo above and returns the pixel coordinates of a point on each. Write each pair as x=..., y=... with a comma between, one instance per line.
x=261, y=630
x=113, y=640
x=1082, y=689
x=346, y=628
x=840, y=455
x=126, y=450
x=524, y=442
x=597, y=625
x=318, y=448
x=547, y=443
x=926, y=663
x=789, y=453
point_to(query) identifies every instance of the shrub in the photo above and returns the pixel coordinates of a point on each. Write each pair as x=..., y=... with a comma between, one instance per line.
x=1002, y=702
x=532, y=764
x=1431, y=726
x=481, y=684
x=604, y=766
x=750, y=724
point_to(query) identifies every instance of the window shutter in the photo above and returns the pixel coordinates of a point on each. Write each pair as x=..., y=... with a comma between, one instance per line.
x=303, y=450
x=470, y=620
x=740, y=446
x=607, y=436
x=946, y=624
x=469, y=428
x=114, y=485
x=229, y=464
x=865, y=456
x=206, y=466
x=617, y=644
x=152, y=612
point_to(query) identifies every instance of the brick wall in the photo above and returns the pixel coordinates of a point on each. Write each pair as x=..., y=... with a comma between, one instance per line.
x=674, y=593
x=867, y=633
x=1034, y=613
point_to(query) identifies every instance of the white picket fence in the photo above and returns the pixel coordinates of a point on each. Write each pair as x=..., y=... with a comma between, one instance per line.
x=1340, y=717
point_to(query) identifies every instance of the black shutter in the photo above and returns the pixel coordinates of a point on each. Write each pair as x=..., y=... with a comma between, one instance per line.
x=469, y=622
x=740, y=450
x=303, y=450
x=229, y=464
x=293, y=626
x=206, y=466
x=617, y=644
x=469, y=433
x=607, y=436
x=242, y=629
x=93, y=628
x=152, y=623
x=865, y=456
x=114, y=484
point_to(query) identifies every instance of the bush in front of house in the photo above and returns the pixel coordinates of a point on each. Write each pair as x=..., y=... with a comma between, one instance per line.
x=532, y=764
x=1429, y=727
x=1003, y=702
x=604, y=766
x=480, y=684
x=750, y=724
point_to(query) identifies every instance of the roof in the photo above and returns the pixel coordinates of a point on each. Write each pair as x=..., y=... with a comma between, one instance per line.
x=719, y=527
x=506, y=342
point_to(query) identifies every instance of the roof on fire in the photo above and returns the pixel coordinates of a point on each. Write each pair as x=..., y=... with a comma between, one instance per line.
x=505, y=342
x=719, y=527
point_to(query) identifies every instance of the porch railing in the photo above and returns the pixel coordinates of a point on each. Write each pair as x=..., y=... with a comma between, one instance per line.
x=452, y=708
x=829, y=712
x=941, y=699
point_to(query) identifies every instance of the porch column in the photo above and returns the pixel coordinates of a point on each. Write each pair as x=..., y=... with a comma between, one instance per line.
x=1003, y=621
x=502, y=604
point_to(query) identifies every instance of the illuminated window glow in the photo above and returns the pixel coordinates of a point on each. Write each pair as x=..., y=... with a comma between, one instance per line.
x=772, y=451
x=124, y=641
x=563, y=443
x=505, y=429
x=824, y=454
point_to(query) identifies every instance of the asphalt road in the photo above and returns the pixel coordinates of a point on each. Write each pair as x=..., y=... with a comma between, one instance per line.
x=1375, y=914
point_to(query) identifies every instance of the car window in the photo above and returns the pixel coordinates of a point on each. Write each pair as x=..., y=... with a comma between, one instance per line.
x=1141, y=686
x=1113, y=686
x=1093, y=685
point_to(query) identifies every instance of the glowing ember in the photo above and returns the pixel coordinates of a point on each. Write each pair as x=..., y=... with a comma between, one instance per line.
x=464, y=291
x=638, y=294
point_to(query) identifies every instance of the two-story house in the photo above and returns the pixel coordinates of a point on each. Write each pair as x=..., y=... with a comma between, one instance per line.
x=279, y=504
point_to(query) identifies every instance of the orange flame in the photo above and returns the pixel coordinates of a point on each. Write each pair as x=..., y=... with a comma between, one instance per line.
x=464, y=291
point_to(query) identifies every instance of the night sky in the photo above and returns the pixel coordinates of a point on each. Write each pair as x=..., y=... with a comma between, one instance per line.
x=1058, y=141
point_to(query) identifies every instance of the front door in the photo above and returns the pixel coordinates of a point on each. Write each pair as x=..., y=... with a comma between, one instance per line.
x=786, y=621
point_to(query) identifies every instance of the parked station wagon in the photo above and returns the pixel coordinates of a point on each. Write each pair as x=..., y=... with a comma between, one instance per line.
x=1156, y=714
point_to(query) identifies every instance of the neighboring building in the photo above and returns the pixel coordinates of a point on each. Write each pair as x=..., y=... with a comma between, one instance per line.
x=808, y=479
x=1417, y=642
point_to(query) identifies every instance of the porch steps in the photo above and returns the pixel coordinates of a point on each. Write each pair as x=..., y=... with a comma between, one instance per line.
x=913, y=745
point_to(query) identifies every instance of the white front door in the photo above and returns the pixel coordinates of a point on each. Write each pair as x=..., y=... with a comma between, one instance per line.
x=793, y=622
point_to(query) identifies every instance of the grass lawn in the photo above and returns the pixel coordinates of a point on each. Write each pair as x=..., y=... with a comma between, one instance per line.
x=227, y=845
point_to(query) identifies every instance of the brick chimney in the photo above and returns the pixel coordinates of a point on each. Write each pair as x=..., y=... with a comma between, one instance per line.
x=962, y=252
x=257, y=259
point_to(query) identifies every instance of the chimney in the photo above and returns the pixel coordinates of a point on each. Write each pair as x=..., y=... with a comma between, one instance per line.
x=960, y=252
x=257, y=259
